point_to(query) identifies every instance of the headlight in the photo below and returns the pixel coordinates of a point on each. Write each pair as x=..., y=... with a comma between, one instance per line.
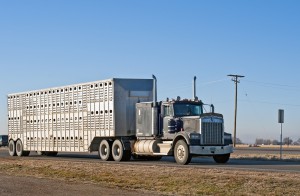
x=194, y=136
x=227, y=136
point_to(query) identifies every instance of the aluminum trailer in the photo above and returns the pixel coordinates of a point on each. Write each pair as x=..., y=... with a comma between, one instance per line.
x=74, y=118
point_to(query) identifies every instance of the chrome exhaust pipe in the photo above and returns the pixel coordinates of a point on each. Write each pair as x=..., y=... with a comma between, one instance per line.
x=194, y=90
x=154, y=90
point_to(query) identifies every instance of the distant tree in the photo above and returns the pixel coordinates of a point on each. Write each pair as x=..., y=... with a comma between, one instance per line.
x=259, y=141
x=275, y=142
x=239, y=141
x=267, y=142
x=287, y=141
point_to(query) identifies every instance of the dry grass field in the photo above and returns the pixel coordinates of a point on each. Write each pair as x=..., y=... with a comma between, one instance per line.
x=159, y=179
x=269, y=146
x=271, y=152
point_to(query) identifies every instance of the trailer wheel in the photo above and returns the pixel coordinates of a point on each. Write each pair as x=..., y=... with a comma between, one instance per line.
x=12, y=148
x=104, y=151
x=182, y=153
x=118, y=153
x=19, y=149
x=221, y=158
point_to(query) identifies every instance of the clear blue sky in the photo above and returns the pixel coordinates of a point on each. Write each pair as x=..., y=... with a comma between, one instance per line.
x=52, y=43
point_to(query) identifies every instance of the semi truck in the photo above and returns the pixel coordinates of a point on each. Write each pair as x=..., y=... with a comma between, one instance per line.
x=118, y=118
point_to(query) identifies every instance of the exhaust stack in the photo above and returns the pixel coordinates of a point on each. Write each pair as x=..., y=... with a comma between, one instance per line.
x=154, y=90
x=194, y=90
x=155, y=121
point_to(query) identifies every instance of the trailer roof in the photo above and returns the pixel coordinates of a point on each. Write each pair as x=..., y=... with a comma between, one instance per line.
x=76, y=84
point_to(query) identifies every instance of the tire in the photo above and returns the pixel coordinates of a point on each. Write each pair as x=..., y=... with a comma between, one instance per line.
x=12, y=148
x=104, y=151
x=118, y=152
x=221, y=158
x=19, y=149
x=182, y=153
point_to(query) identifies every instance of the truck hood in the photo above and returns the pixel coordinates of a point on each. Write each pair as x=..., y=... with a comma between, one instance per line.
x=191, y=124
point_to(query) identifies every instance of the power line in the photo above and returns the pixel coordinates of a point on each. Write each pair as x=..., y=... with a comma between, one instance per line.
x=274, y=85
x=270, y=103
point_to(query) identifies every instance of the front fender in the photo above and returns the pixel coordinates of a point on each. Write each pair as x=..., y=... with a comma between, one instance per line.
x=182, y=135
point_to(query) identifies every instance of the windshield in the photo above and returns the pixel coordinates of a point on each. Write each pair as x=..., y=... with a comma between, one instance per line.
x=187, y=109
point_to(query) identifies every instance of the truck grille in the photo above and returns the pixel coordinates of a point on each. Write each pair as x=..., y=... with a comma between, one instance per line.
x=212, y=133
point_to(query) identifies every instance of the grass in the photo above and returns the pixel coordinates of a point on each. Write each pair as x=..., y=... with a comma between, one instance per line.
x=167, y=180
x=262, y=153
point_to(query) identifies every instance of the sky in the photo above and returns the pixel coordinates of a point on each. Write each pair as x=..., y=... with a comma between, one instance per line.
x=53, y=43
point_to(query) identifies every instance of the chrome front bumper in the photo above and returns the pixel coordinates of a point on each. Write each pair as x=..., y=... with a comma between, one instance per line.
x=210, y=150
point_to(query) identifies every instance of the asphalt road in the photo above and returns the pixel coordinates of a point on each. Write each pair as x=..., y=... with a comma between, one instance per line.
x=199, y=162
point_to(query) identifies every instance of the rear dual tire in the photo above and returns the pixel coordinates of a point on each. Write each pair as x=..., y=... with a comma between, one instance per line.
x=104, y=151
x=12, y=148
x=20, y=149
x=116, y=151
x=119, y=153
x=16, y=149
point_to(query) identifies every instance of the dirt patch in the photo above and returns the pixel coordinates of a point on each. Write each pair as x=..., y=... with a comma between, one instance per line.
x=33, y=186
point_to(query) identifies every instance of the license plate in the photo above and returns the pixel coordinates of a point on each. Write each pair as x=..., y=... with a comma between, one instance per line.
x=212, y=149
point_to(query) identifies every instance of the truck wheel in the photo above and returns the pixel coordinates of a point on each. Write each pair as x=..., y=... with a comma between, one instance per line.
x=104, y=151
x=118, y=153
x=182, y=153
x=221, y=158
x=12, y=148
x=19, y=149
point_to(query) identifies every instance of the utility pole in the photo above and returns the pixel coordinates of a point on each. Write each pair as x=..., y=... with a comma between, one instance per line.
x=235, y=79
